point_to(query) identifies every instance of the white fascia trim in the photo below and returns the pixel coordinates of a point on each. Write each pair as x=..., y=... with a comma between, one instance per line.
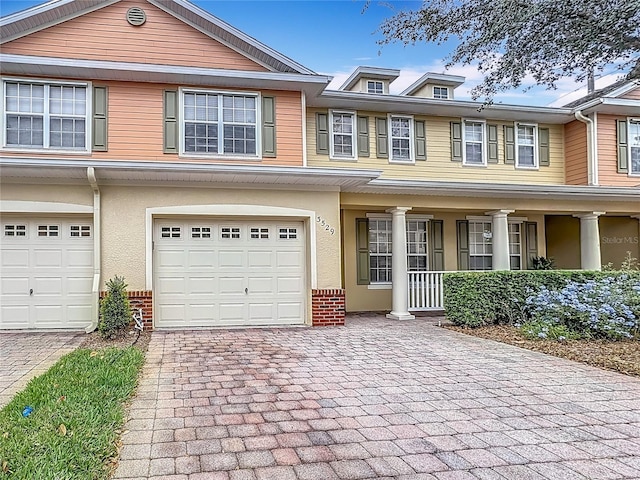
x=29, y=12
x=235, y=211
x=375, y=73
x=21, y=206
x=192, y=167
x=183, y=72
x=235, y=32
x=400, y=99
x=466, y=189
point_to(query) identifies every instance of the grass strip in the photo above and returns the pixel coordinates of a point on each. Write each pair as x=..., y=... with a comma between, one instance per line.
x=78, y=410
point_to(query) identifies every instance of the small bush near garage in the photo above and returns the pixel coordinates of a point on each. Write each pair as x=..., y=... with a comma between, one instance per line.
x=115, y=310
x=77, y=411
x=556, y=303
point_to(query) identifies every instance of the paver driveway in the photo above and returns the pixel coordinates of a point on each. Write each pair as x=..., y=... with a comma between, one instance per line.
x=375, y=399
x=25, y=355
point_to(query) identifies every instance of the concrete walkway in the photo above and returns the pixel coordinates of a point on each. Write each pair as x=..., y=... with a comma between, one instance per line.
x=375, y=399
x=26, y=355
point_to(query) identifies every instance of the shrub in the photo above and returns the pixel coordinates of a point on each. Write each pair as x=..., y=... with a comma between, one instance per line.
x=115, y=310
x=606, y=308
x=474, y=299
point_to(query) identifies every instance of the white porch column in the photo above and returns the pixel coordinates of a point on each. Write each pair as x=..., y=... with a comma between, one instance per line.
x=400, y=282
x=590, y=241
x=500, y=231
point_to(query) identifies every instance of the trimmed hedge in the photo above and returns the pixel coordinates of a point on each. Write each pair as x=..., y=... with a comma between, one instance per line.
x=474, y=299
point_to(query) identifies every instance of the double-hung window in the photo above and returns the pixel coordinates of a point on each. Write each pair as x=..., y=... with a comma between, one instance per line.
x=515, y=246
x=526, y=146
x=380, y=254
x=343, y=134
x=634, y=145
x=401, y=139
x=441, y=92
x=46, y=115
x=375, y=86
x=220, y=123
x=473, y=137
x=481, y=245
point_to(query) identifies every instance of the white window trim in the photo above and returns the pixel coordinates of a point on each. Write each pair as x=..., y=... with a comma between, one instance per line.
x=412, y=140
x=631, y=120
x=536, y=146
x=519, y=220
x=43, y=81
x=388, y=216
x=484, y=143
x=354, y=136
x=384, y=89
x=433, y=92
x=181, y=122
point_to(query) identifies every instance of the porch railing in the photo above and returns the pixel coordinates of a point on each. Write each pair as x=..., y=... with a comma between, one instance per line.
x=425, y=291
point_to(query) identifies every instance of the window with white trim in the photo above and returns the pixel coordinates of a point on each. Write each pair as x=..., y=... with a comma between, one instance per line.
x=526, y=146
x=380, y=254
x=515, y=246
x=77, y=231
x=217, y=123
x=46, y=115
x=375, y=86
x=343, y=134
x=634, y=146
x=441, y=92
x=480, y=245
x=15, y=230
x=473, y=137
x=401, y=139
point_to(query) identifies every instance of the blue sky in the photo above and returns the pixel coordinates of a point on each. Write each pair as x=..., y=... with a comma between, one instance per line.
x=333, y=37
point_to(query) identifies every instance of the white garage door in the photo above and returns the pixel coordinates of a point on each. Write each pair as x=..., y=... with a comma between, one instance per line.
x=218, y=273
x=46, y=273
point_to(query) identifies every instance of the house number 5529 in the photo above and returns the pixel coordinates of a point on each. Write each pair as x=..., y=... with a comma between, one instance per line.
x=324, y=225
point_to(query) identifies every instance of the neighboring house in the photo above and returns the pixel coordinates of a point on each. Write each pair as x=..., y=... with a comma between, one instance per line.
x=230, y=187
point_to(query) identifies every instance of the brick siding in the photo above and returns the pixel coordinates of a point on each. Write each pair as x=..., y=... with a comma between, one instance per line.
x=327, y=307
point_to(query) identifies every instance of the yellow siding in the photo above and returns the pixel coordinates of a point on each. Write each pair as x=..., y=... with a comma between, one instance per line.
x=439, y=165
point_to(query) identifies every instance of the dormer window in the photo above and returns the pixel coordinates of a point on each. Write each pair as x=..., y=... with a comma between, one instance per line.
x=441, y=93
x=375, y=86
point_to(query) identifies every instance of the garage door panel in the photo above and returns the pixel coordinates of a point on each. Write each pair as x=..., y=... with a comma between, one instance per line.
x=14, y=258
x=235, y=275
x=289, y=285
x=53, y=262
x=290, y=311
x=47, y=258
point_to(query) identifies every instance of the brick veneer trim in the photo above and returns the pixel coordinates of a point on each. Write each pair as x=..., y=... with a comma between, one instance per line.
x=140, y=299
x=327, y=307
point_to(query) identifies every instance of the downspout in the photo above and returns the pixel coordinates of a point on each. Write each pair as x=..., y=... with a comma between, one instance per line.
x=592, y=174
x=303, y=101
x=95, y=291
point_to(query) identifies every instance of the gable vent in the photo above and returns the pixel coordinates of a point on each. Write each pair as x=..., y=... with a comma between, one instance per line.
x=136, y=16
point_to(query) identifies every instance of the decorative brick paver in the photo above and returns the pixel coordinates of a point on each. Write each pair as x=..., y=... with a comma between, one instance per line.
x=27, y=355
x=374, y=399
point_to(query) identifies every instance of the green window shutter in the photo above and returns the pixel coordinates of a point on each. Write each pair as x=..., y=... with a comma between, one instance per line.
x=363, y=136
x=623, y=150
x=100, y=123
x=492, y=144
x=509, y=145
x=170, y=121
x=456, y=141
x=543, y=146
x=463, y=244
x=322, y=134
x=531, y=237
x=362, y=247
x=421, y=140
x=382, y=141
x=437, y=245
x=268, y=126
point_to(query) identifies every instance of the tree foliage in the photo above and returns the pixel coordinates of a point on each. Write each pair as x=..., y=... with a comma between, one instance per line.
x=514, y=41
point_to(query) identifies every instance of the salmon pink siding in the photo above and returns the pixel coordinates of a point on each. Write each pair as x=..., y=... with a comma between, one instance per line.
x=106, y=35
x=607, y=154
x=575, y=147
x=135, y=127
x=632, y=95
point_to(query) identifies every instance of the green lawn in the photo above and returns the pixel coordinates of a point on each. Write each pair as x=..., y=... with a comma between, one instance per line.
x=78, y=409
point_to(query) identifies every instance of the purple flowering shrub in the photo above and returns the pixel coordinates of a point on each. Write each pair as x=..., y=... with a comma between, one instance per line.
x=607, y=308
